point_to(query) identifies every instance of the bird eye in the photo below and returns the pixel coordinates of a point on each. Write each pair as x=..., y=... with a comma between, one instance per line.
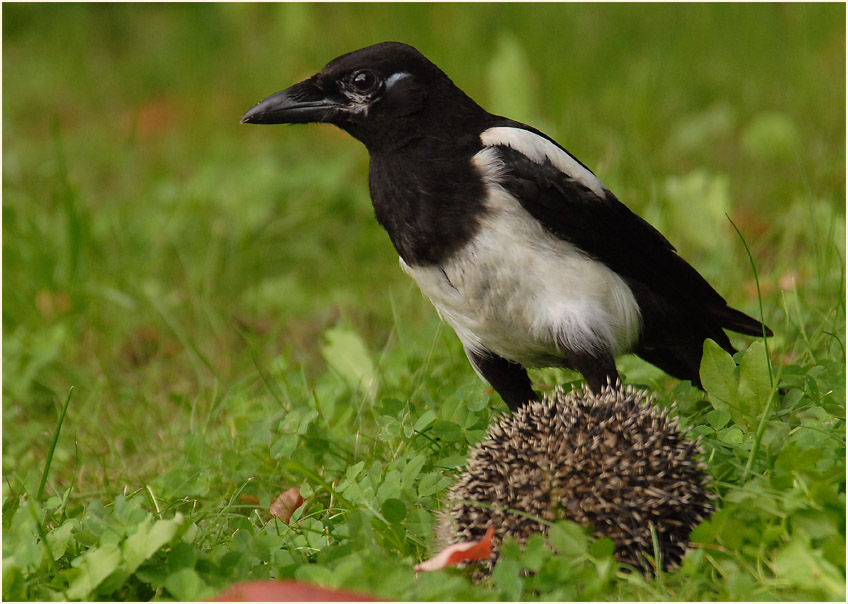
x=364, y=82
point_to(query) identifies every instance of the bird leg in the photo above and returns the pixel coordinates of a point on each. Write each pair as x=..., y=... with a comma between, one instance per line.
x=507, y=378
x=599, y=370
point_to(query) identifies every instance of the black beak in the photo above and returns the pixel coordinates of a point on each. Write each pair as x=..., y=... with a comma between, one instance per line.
x=299, y=104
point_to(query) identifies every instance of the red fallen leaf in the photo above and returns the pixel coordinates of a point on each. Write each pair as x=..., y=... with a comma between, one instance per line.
x=460, y=552
x=286, y=591
x=284, y=506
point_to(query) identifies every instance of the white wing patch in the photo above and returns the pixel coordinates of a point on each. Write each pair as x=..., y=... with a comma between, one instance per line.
x=538, y=149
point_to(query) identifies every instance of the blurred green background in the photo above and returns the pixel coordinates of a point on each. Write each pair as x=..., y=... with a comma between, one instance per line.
x=155, y=250
x=224, y=304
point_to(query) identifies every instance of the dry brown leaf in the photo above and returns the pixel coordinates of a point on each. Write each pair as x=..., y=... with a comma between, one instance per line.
x=284, y=506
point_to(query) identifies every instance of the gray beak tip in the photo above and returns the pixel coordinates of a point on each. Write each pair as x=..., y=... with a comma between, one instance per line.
x=251, y=114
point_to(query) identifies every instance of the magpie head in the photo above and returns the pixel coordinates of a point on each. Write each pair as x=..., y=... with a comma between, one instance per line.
x=385, y=95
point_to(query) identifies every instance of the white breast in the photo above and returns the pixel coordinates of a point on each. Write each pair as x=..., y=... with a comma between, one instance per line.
x=524, y=294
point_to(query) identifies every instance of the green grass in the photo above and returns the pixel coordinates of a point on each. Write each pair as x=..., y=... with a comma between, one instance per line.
x=232, y=320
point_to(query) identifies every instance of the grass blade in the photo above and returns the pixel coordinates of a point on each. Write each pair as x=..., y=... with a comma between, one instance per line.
x=52, y=448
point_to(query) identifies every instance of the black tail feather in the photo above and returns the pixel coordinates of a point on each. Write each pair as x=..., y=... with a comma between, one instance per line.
x=738, y=321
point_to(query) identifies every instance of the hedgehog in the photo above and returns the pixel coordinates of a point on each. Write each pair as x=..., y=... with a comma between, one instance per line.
x=610, y=460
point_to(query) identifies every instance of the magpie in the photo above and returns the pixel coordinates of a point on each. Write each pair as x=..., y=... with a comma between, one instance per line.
x=520, y=247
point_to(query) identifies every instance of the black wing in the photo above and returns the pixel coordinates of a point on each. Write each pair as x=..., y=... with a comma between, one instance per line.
x=672, y=295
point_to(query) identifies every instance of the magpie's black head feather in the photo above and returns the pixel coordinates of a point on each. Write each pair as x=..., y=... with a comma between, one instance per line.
x=384, y=95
